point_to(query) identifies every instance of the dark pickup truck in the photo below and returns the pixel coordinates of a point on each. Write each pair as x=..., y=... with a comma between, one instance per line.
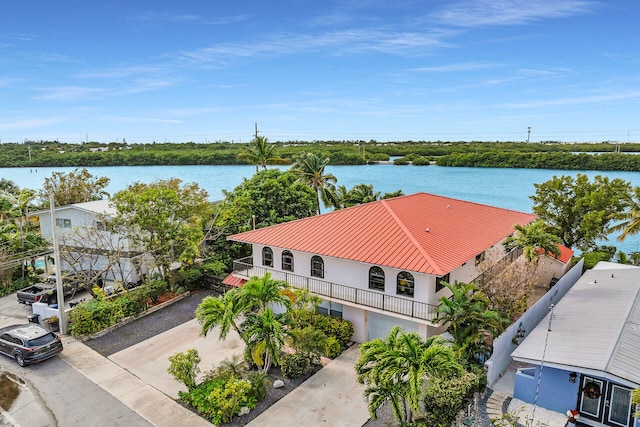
x=46, y=292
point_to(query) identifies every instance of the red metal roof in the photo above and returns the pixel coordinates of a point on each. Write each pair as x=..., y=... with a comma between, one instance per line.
x=420, y=232
x=232, y=280
x=565, y=254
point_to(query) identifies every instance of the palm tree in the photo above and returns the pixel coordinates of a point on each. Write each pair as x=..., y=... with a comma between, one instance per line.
x=266, y=334
x=470, y=321
x=309, y=167
x=629, y=216
x=259, y=152
x=222, y=312
x=257, y=292
x=397, y=369
x=532, y=237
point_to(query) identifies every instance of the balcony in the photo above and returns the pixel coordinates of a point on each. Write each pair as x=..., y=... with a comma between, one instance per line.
x=244, y=267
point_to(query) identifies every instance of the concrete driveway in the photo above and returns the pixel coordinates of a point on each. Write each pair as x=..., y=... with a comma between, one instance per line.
x=332, y=397
x=149, y=359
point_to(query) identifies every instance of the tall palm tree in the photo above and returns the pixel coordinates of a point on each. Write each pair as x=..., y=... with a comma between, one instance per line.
x=259, y=152
x=266, y=334
x=397, y=369
x=309, y=167
x=532, y=237
x=629, y=216
x=257, y=292
x=222, y=312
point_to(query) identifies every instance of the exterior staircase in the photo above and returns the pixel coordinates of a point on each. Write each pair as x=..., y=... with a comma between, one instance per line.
x=496, y=404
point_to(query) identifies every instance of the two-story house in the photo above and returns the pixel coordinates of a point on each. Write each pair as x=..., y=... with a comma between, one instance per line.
x=89, y=247
x=382, y=263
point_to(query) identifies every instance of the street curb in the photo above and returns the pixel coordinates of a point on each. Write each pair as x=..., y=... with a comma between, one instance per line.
x=127, y=320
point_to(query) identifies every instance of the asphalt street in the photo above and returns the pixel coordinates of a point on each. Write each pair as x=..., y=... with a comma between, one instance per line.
x=53, y=393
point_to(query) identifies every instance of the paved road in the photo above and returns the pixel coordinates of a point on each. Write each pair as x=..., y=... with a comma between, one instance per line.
x=53, y=393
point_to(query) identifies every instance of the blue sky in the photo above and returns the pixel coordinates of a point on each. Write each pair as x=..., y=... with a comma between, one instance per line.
x=156, y=70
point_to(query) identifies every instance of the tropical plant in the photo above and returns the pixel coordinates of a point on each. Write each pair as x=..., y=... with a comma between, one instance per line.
x=222, y=313
x=628, y=216
x=310, y=170
x=579, y=211
x=77, y=186
x=469, y=320
x=184, y=367
x=165, y=218
x=260, y=153
x=265, y=334
x=396, y=369
x=532, y=237
x=258, y=292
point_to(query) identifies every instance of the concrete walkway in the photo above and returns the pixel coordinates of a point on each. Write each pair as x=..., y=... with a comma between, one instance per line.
x=332, y=397
x=150, y=403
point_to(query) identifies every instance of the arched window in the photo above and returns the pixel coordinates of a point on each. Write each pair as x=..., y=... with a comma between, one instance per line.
x=405, y=284
x=267, y=257
x=376, y=279
x=317, y=267
x=287, y=261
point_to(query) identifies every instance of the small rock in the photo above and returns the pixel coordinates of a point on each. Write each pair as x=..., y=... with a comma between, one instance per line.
x=243, y=411
x=278, y=384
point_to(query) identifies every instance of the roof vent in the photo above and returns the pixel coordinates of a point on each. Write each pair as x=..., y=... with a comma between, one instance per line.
x=426, y=229
x=448, y=206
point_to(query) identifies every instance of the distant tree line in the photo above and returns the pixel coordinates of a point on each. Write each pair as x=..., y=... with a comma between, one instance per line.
x=467, y=154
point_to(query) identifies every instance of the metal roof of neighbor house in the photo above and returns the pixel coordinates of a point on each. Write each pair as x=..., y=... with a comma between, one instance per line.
x=96, y=206
x=564, y=257
x=595, y=326
x=420, y=232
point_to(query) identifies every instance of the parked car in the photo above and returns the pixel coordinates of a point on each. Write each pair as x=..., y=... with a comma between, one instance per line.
x=46, y=291
x=29, y=343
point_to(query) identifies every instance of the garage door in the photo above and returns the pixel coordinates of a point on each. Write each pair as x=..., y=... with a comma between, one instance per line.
x=380, y=325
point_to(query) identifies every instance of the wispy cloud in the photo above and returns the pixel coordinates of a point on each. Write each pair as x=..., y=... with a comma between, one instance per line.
x=474, y=13
x=589, y=99
x=467, y=66
x=337, y=42
x=30, y=123
x=65, y=93
x=167, y=17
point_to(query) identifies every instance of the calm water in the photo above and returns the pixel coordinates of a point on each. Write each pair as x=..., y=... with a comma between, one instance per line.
x=507, y=188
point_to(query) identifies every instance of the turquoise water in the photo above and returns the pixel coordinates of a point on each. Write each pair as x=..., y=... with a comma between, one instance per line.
x=507, y=188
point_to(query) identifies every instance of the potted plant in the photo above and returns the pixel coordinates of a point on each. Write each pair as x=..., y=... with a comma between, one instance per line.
x=53, y=323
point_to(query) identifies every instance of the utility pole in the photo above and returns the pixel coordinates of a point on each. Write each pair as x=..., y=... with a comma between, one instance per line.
x=528, y=133
x=256, y=130
x=56, y=257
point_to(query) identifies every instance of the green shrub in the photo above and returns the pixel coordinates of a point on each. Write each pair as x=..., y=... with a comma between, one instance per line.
x=229, y=399
x=422, y=161
x=17, y=284
x=294, y=365
x=259, y=381
x=153, y=289
x=446, y=396
x=128, y=305
x=188, y=279
x=309, y=342
x=332, y=347
x=184, y=367
x=592, y=258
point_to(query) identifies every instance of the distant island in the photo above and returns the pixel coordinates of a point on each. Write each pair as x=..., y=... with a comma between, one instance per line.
x=543, y=155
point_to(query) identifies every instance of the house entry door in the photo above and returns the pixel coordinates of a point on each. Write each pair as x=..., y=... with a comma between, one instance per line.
x=591, y=401
x=619, y=406
x=605, y=402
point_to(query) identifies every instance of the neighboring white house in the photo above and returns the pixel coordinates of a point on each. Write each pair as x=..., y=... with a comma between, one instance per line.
x=585, y=354
x=381, y=264
x=87, y=245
